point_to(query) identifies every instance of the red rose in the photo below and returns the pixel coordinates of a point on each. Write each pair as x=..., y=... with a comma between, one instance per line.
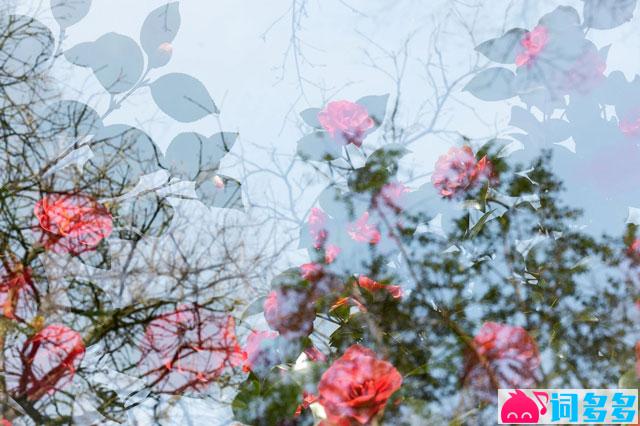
x=356, y=387
x=15, y=287
x=633, y=251
x=346, y=121
x=314, y=354
x=458, y=170
x=346, y=301
x=73, y=223
x=503, y=356
x=259, y=350
x=373, y=286
x=188, y=349
x=311, y=271
x=46, y=363
x=307, y=400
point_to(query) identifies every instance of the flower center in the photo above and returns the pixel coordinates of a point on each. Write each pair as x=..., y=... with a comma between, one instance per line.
x=362, y=389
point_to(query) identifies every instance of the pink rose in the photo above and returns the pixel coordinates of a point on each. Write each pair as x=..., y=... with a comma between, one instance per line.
x=73, y=223
x=317, y=227
x=533, y=42
x=46, y=363
x=290, y=311
x=346, y=121
x=330, y=253
x=259, y=351
x=634, y=250
x=457, y=171
x=317, y=224
x=362, y=231
x=314, y=354
x=392, y=195
x=586, y=73
x=503, y=356
x=356, y=387
x=630, y=125
x=188, y=349
x=311, y=271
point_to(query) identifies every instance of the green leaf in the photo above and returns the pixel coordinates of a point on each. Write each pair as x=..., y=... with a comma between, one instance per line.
x=484, y=193
x=606, y=14
x=183, y=97
x=67, y=13
x=341, y=313
x=629, y=380
x=191, y=155
x=268, y=402
x=376, y=106
x=318, y=146
x=256, y=307
x=493, y=84
x=287, y=278
x=475, y=230
x=115, y=59
x=503, y=49
x=381, y=165
x=221, y=192
x=418, y=371
x=248, y=391
x=161, y=26
x=310, y=117
x=348, y=333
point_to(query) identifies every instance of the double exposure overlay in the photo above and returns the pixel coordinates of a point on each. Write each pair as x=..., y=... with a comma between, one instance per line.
x=305, y=212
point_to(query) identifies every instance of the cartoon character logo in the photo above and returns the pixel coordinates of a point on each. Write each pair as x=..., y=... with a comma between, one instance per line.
x=519, y=408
